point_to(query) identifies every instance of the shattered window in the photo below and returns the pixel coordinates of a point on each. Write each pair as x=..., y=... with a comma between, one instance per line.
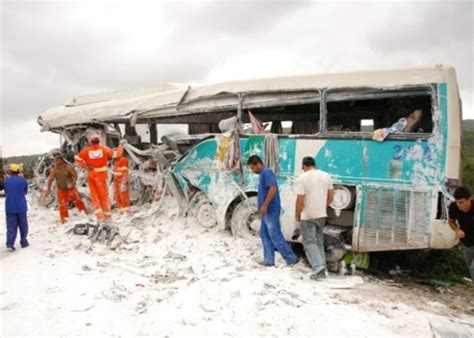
x=172, y=129
x=401, y=110
x=288, y=120
x=286, y=113
x=143, y=130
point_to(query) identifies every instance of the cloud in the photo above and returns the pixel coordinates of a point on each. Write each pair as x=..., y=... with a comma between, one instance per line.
x=424, y=27
x=434, y=33
x=52, y=51
x=24, y=138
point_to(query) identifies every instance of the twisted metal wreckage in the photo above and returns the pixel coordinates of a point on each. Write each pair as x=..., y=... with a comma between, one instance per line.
x=148, y=174
x=115, y=118
x=390, y=194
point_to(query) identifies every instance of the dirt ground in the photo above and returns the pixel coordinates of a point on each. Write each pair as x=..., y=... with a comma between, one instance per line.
x=171, y=277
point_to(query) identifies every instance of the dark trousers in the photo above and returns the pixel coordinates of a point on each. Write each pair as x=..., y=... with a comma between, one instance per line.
x=468, y=253
x=17, y=222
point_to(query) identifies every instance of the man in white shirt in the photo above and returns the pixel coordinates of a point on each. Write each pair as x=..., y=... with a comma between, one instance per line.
x=314, y=192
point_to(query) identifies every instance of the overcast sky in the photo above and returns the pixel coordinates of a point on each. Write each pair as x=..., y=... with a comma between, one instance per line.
x=51, y=51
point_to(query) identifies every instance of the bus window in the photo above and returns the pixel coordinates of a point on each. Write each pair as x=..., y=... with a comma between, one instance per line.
x=364, y=110
x=287, y=120
x=143, y=130
x=280, y=127
x=203, y=128
x=172, y=129
x=286, y=112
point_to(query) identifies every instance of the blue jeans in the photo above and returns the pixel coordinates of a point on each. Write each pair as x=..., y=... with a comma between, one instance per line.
x=313, y=241
x=272, y=238
x=15, y=222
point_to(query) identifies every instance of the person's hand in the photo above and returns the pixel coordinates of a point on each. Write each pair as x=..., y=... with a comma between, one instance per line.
x=298, y=218
x=296, y=234
x=263, y=210
x=460, y=233
x=123, y=187
x=379, y=135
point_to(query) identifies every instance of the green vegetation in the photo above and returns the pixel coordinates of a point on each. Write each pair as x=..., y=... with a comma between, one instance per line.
x=468, y=125
x=468, y=153
x=423, y=264
x=28, y=161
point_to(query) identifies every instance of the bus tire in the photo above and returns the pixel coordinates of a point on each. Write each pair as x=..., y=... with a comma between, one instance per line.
x=201, y=211
x=245, y=221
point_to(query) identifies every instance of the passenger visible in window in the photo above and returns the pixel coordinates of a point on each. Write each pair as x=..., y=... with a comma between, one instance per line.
x=413, y=121
x=404, y=125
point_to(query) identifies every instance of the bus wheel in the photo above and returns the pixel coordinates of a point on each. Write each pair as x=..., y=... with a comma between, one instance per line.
x=245, y=221
x=201, y=211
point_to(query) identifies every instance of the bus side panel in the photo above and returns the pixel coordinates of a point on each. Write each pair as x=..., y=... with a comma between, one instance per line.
x=201, y=170
x=394, y=181
x=287, y=162
x=401, y=162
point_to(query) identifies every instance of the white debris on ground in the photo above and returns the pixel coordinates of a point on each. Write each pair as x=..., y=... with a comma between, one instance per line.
x=170, y=277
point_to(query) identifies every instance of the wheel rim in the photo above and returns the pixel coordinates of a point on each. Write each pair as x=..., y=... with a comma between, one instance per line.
x=245, y=220
x=253, y=223
x=206, y=215
x=202, y=210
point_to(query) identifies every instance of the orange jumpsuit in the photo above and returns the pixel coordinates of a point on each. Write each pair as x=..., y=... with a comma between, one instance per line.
x=121, y=177
x=96, y=158
x=64, y=176
x=64, y=197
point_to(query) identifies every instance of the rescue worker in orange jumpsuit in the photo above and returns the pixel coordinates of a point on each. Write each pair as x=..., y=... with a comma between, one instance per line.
x=95, y=158
x=66, y=177
x=122, y=197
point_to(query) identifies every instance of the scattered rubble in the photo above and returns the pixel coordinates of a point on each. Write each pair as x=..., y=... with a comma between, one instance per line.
x=206, y=282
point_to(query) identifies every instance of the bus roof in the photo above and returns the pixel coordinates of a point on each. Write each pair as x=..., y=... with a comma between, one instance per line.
x=170, y=100
x=371, y=78
x=125, y=94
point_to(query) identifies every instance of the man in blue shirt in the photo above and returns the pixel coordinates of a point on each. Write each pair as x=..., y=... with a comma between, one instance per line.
x=16, y=188
x=269, y=208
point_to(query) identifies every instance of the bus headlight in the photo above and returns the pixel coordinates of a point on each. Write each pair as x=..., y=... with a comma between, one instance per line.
x=344, y=198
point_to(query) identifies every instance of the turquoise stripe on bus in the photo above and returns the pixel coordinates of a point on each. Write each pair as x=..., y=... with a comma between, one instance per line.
x=443, y=126
x=367, y=161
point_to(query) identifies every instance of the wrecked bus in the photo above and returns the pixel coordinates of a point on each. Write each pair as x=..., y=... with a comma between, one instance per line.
x=390, y=194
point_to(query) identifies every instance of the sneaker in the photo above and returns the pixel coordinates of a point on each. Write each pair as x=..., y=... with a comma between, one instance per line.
x=296, y=261
x=25, y=245
x=319, y=274
x=263, y=263
x=11, y=248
